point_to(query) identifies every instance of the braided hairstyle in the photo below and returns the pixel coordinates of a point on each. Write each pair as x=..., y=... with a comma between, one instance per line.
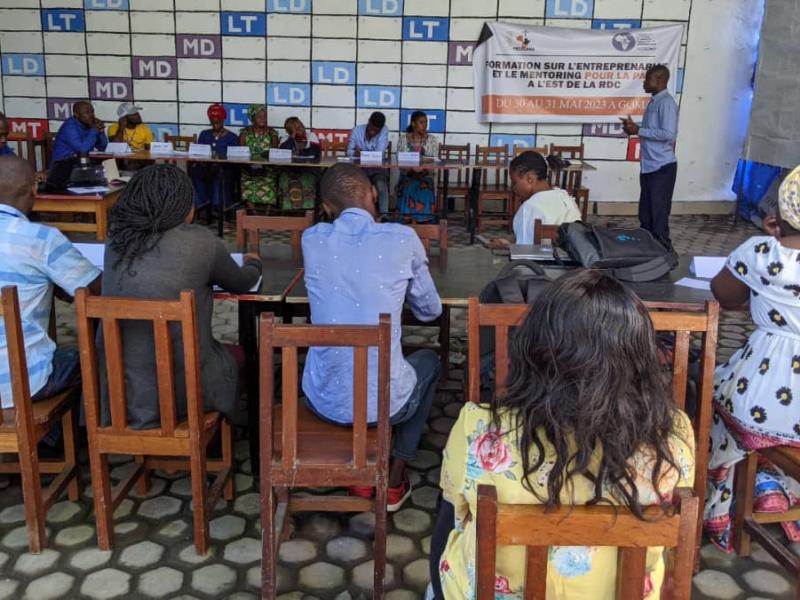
x=530, y=162
x=157, y=199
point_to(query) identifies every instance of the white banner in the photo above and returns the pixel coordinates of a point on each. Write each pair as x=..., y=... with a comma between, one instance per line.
x=554, y=75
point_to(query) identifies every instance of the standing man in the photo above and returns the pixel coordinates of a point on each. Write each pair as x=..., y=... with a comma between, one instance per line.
x=130, y=129
x=373, y=137
x=657, y=135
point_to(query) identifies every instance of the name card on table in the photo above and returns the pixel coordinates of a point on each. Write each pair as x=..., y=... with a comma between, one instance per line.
x=203, y=150
x=408, y=158
x=118, y=148
x=280, y=155
x=239, y=152
x=371, y=158
x=161, y=148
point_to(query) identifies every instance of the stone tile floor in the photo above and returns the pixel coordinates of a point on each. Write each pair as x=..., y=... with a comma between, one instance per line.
x=329, y=556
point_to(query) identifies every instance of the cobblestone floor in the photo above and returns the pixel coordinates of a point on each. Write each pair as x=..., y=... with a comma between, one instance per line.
x=328, y=556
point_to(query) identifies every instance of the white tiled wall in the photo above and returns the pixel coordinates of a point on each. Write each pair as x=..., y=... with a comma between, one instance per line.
x=236, y=65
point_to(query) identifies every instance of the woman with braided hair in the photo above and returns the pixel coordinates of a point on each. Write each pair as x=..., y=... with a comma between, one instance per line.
x=154, y=251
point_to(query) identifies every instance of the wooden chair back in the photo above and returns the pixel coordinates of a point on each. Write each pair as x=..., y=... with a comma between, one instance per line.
x=543, y=150
x=582, y=198
x=36, y=152
x=181, y=142
x=432, y=232
x=24, y=425
x=458, y=178
x=109, y=314
x=333, y=149
x=567, y=152
x=542, y=231
x=538, y=528
x=493, y=155
x=569, y=179
x=249, y=227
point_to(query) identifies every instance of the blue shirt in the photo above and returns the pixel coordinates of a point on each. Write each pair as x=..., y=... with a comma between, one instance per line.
x=359, y=141
x=356, y=269
x=658, y=132
x=219, y=146
x=33, y=257
x=76, y=138
x=6, y=151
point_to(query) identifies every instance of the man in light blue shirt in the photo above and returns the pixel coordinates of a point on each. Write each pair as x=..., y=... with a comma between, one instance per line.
x=36, y=258
x=373, y=137
x=657, y=135
x=356, y=269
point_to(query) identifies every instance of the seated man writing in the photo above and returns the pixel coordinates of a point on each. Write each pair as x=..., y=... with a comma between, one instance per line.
x=356, y=269
x=35, y=258
x=373, y=137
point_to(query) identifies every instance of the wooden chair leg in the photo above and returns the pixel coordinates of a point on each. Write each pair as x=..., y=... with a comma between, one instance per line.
x=70, y=457
x=227, y=457
x=269, y=548
x=745, y=480
x=103, y=502
x=143, y=483
x=200, y=507
x=444, y=343
x=32, y=498
x=379, y=551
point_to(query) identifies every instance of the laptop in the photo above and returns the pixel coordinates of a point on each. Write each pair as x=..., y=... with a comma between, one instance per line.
x=538, y=253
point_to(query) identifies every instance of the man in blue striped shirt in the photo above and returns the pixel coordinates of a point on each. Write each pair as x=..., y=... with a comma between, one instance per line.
x=657, y=135
x=36, y=258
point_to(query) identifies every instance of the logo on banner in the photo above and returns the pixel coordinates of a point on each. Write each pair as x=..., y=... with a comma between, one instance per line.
x=521, y=42
x=624, y=41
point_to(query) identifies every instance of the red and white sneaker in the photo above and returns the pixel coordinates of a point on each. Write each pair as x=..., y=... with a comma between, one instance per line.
x=361, y=491
x=396, y=496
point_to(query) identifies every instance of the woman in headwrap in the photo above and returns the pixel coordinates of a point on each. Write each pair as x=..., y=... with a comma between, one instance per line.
x=214, y=183
x=757, y=392
x=298, y=187
x=259, y=184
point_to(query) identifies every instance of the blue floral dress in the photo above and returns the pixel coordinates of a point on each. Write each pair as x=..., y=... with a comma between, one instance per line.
x=478, y=454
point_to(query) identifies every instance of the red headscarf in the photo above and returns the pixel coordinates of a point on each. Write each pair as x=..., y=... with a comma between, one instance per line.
x=217, y=112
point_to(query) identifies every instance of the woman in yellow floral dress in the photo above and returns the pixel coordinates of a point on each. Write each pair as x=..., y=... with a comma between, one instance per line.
x=574, y=411
x=259, y=184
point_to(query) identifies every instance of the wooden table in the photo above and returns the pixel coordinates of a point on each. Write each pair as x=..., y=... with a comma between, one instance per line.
x=94, y=204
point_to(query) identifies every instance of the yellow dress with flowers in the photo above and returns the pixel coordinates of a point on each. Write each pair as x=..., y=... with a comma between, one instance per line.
x=476, y=454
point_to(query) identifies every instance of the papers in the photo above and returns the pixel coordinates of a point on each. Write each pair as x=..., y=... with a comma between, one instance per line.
x=118, y=148
x=408, y=158
x=88, y=191
x=94, y=254
x=371, y=158
x=240, y=152
x=697, y=284
x=112, y=172
x=280, y=155
x=200, y=150
x=161, y=148
x=707, y=267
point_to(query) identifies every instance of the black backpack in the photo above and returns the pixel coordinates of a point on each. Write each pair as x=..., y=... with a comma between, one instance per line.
x=628, y=254
x=518, y=282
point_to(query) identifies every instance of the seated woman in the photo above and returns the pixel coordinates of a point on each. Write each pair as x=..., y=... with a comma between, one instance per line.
x=154, y=251
x=551, y=206
x=214, y=184
x=756, y=391
x=297, y=188
x=416, y=189
x=259, y=184
x=566, y=434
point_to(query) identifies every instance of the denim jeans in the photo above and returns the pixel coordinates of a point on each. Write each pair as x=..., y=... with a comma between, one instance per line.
x=409, y=422
x=66, y=373
x=380, y=180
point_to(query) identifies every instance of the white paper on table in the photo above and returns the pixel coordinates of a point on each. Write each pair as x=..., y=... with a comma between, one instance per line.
x=371, y=158
x=280, y=155
x=698, y=284
x=161, y=148
x=94, y=253
x=707, y=267
x=118, y=148
x=200, y=150
x=95, y=189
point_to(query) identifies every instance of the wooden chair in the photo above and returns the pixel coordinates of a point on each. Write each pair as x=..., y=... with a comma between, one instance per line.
x=542, y=231
x=538, y=528
x=428, y=233
x=24, y=426
x=683, y=320
x=582, y=197
x=185, y=443
x=459, y=179
x=334, y=149
x=181, y=142
x=570, y=180
x=248, y=228
x=543, y=150
x=496, y=191
x=748, y=523
x=298, y=450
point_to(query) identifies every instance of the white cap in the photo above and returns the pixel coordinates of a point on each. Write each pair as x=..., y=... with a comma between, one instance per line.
x=127, y=108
